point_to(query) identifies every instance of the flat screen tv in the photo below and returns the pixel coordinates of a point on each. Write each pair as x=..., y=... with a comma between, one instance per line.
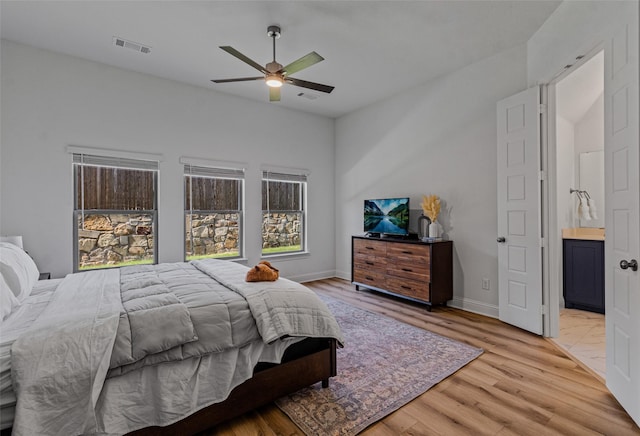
x=389, y=216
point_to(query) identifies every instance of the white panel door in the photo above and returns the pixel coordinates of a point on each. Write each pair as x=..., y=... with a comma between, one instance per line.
x=519, y=231
x=622, y=239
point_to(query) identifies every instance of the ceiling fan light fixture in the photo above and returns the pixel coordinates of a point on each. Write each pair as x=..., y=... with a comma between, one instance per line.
x=274, y=81
x=274, y=74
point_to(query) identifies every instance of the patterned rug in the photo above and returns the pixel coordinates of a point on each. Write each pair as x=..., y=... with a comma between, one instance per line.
x=384, y=365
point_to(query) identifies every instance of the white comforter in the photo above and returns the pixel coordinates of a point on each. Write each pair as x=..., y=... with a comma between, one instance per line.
x=61, y=367
x=281, y=308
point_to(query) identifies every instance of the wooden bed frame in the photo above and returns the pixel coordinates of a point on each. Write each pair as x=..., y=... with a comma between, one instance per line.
x=303, y=364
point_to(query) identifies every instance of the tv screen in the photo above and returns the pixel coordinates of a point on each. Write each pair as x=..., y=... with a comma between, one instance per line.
x=387, y=215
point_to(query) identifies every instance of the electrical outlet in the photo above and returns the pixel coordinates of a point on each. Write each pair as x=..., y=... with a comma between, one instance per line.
x=486, y=284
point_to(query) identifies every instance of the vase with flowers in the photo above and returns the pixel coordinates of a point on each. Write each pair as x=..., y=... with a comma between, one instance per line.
x=431, y=208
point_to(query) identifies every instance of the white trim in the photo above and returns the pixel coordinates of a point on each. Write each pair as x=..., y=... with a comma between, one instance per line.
x=553, y=293
x=213, y=172
x=467, y=304
x=303, y=278
x=71, y=149
x=344, y=275
x=201, y=162
x=289, y=175
x=215, y=169
x=285, y=255
x=284, y=170
x=554, y=243
x=544, y=211
x=474, y=306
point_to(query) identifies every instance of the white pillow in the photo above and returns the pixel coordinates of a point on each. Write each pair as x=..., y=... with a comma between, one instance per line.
x=7, y=300
x=18, y=269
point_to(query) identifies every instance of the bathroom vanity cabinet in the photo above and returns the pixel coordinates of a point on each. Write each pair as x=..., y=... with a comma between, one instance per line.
x=583, y=274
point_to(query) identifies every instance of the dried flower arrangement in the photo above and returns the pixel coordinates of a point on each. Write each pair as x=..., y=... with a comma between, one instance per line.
x=431, y=206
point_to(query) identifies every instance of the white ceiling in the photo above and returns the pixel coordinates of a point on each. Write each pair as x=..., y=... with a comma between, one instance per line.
x=372, y=49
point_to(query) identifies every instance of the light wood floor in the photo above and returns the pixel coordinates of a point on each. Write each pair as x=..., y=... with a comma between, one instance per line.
x=521, y=385
x=582, y=335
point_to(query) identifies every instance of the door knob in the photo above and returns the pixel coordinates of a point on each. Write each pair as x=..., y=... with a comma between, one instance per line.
x=633, y=264
x=501, y=239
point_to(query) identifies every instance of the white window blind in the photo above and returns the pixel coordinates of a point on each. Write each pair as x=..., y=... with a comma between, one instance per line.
x=216, y=173
x=284, y=177
x=114, y=162
x=115, y=200
x=213, y=208
x=283, y=208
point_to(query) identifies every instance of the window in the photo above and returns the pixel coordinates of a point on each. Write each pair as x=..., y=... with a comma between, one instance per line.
x=213, y=212
x=115, y=211
x=283, y=212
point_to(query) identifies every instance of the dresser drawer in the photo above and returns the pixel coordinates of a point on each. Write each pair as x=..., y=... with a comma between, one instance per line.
x=367, y=277
x=407, y=270
x=409, y=254
x=370, y=248
x=409, y=288
x=416, y=270
x=364, y=261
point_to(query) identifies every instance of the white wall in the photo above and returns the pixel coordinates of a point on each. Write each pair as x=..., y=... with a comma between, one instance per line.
x=574, y=28
x=586, y=135
x=589, y=130
x=589, y=137
x=438, y=138
x=566, y=178
x=50, y=101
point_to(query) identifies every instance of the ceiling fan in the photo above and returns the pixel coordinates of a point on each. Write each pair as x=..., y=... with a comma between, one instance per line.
x=275, y=75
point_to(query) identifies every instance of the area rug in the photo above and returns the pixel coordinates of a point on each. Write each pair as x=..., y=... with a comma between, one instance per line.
x=384, y=365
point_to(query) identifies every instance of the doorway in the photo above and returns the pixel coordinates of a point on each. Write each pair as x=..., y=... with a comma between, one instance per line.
x=579, y=193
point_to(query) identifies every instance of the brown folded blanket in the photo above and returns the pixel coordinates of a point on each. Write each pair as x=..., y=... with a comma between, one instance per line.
x=262, y=272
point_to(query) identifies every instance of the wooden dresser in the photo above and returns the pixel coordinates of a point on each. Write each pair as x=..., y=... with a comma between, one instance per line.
x=419, y=271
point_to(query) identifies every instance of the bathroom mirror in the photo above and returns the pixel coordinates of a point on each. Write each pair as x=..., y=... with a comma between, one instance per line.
x=591, y=179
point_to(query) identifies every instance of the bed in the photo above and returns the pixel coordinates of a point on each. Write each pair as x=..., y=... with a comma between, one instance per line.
x=172, y=348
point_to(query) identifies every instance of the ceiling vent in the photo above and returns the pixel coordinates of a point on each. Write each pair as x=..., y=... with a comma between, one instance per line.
x=120, y=42
x=307, y=95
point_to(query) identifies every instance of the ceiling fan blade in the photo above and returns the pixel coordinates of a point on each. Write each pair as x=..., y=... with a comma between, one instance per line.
x=239, y=79
x=310, y=85
x=274, y=94
x=302, y=63
x=233, y=52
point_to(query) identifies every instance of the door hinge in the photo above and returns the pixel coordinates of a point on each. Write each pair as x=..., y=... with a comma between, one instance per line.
x=542, y=175
x=542, y=108
x=544, y=310
x=543, y=242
